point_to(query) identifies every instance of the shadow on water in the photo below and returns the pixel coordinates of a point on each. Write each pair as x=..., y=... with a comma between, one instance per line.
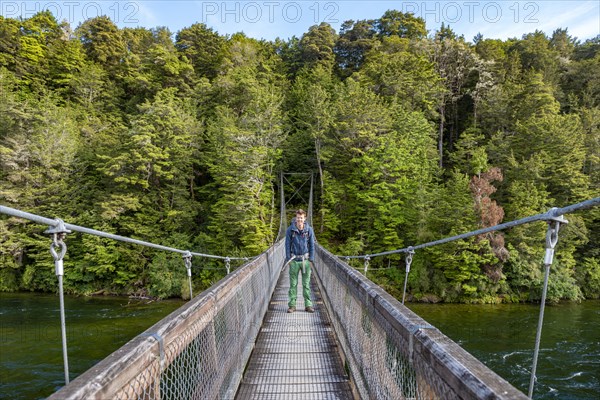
x=31, y=364
x=503, y=337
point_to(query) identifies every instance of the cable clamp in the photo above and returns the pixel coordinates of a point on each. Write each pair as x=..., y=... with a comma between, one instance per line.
x=161, y=346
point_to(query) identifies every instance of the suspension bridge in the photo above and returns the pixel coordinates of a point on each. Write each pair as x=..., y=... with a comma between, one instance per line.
x=236, y=340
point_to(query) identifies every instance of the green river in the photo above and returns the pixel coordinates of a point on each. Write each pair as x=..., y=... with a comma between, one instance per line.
x=502, y=336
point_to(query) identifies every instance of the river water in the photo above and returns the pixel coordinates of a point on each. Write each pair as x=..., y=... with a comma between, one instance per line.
x=31, y=364
x=503, y=338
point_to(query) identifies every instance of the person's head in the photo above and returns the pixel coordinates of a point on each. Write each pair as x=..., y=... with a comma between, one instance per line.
x=300, y=218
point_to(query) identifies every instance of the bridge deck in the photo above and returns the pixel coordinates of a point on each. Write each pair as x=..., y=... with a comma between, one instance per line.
x=296, y=355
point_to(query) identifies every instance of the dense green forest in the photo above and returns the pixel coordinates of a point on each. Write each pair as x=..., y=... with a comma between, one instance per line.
x=412, y=135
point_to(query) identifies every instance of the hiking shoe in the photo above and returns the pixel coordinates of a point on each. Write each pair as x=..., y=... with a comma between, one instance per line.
x=309, y=309
x=291, y=309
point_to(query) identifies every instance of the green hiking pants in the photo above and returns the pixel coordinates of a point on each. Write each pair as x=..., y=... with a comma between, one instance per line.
x=295, y=268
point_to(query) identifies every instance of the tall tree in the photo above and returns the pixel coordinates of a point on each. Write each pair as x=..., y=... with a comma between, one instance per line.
x=203, y=47
x=396, y=71
x=316, y=46
x=312, y=115
x=404, y=25
x=103, y=42
x=244, y=140
x=354, y=42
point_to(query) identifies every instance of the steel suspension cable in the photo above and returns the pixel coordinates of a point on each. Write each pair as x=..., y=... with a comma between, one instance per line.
x=52, y=222
x=551, y=214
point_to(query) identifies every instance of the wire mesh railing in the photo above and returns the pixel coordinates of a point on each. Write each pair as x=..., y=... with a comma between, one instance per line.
x=198, y=351
x=391, y=352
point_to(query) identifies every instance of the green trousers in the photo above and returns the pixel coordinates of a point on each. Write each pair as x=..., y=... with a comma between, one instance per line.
x=295, y=268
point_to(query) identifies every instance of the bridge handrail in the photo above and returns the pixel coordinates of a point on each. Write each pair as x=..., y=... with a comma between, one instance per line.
x=54, y=222
x=550, y=215
x=198, y=351
x=391, y=351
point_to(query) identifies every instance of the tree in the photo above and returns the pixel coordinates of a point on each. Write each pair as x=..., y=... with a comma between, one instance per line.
x=244, y=139
x=379, y=158
x=312, y=114
x=393, y=70
x=38, y=164
x=103, y=42
x=563, y=43
x=354, y=42
x=454, y=62
x=9, y=42
x=316, y=46
x=397, y=23
x=66, y=59
x=203, y=47
x=536, y=54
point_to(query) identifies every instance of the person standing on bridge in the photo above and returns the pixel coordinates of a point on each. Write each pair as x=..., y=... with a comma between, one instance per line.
x=300, y=253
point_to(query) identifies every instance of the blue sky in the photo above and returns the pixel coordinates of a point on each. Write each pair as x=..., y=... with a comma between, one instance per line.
x=269, y=19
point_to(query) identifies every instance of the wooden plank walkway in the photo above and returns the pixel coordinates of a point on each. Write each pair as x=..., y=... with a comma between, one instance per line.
x=295, y=355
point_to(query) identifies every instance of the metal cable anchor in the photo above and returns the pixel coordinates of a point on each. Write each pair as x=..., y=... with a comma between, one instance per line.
x=409, y=256
x=228, y=264
x=187, y=259
x=58, y=232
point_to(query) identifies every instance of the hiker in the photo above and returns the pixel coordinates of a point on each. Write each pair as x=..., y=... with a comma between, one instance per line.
x=300, y=253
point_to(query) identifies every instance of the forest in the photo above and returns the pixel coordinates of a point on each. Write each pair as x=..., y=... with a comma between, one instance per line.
x=412, y=135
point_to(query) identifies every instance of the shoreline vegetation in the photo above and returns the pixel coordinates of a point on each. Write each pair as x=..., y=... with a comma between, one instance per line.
x=177, y=138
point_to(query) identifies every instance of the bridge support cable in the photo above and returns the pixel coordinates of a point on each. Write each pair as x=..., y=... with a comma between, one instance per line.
x=366, y=268
x=59, y=232
x=283, y=220
x=409, y=257
x=310, y=202
x=547, y=216
x=282, y=210
x=551, y=240
x=75, y=228
x=187, y=259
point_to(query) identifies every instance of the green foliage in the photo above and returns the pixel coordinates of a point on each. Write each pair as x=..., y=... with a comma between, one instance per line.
x=166, y=276
x=244, y=140
x=203, y=47
x=180, y=142
x=588, y=277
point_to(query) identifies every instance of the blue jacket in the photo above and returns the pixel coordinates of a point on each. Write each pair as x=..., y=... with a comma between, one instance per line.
x=299, y=242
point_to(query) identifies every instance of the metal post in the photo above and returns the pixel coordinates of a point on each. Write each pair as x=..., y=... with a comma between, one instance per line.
x=409, y=257
x=59, y=232
x=367, y=258
x=551, y=240
x=228, y=264
x=187, y=259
